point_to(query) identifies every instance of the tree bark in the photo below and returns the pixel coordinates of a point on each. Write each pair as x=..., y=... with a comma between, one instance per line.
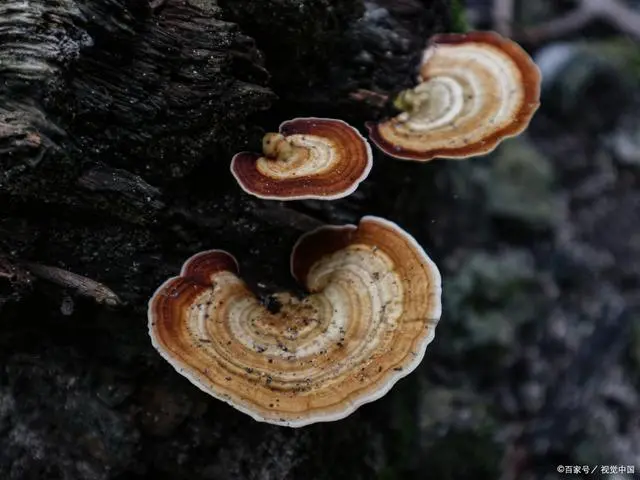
x=118, y=120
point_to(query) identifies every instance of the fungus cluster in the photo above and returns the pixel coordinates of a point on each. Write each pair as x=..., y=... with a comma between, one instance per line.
x=372, y=310
x=475, y=90
x=310, y=158
x=373, y=293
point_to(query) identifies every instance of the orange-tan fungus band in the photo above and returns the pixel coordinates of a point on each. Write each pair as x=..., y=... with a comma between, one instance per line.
x=311, y=158
x=372, y=309
x=475, y=90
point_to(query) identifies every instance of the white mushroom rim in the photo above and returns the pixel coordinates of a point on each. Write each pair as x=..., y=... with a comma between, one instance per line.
x=372, y=312
x=317, y=158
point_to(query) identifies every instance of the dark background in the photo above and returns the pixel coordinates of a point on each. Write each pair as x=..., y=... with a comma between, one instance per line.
x=118, y=121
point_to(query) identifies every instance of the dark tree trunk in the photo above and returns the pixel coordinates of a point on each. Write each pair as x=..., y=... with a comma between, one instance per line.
x=118, y=121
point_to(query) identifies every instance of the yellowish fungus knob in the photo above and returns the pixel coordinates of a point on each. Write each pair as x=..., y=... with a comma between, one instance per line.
x=310, y=158
x=475, y=90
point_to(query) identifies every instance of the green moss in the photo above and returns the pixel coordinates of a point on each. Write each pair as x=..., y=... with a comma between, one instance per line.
x=516, y=182
x=464, y=454
x=387, y=473
x=520, y=185
x=488, y=298
x=459, y=22
x=619, y=52
x=457, y=433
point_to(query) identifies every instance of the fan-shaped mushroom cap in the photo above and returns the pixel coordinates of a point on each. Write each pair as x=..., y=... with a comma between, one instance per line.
x=476, y=89
x=311, y=158
x=372, y=311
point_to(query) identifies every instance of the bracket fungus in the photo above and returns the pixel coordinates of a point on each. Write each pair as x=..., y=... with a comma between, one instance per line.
x=373, y=307
x=475, y=90
x=310, y=158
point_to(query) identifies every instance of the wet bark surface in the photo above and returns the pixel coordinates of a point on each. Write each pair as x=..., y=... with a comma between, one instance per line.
x=118, y=121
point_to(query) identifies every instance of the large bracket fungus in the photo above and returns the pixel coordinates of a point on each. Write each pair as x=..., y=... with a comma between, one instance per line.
x=475, y=90
x=311, y=158
x=372, y=310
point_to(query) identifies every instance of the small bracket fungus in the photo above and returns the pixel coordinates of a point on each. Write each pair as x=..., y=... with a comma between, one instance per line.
x=311, y=158
x=372, y=310
x=475, y=90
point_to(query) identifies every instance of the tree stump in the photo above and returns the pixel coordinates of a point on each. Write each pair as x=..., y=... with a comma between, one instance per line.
x=118, y=120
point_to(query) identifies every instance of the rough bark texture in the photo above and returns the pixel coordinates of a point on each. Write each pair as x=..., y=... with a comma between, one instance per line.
x=118, y=121
x=117, y=124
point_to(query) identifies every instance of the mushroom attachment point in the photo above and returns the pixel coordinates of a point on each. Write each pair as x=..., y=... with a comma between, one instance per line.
x=372, y=309
x=310, y=158
x=475, y=90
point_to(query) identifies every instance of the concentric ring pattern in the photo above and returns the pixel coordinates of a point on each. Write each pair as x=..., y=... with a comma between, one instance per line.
x=327, y=160
x=372, y=310
x=475, y=90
